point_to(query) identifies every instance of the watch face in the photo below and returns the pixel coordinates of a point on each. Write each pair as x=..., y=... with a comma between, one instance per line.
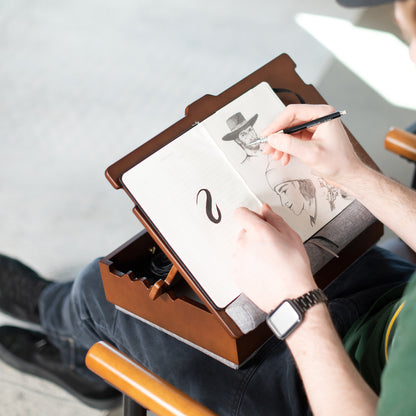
x=284, y=319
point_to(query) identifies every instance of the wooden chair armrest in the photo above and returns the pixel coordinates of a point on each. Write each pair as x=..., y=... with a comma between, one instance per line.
x=134, y=380
x=401, y=142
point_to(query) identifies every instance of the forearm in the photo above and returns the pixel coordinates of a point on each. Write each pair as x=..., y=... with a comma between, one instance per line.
x=328, y=151
x=391, y=202
x=332, y=383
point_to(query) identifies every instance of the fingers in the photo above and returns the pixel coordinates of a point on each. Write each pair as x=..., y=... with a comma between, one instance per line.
x=288, y=145
x=283, y=120
x=247, y=219
x=273, y=219
x=296, y=114
x=268, y=149
x=285, y=159
x=277, y=154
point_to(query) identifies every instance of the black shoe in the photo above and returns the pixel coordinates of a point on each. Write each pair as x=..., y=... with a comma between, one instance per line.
x=20, y=288
x=32, y=353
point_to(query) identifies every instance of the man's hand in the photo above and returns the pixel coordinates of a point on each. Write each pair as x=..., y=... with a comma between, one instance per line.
x=326, y=148
x=270, y=263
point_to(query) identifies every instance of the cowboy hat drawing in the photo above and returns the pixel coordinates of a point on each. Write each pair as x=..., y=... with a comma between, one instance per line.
x=236, y=123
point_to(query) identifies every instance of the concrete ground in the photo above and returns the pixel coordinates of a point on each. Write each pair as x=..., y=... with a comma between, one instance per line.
x=84, y=82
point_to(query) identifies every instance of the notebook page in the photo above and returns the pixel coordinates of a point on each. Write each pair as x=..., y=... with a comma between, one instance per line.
x=190, y=195
x=305, y=201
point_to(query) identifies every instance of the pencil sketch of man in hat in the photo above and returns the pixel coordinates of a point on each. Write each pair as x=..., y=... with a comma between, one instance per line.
x=243, y=133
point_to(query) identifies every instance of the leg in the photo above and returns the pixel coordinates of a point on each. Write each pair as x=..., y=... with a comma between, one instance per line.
x=77, y=315
x=357, y=289
x=31, y=351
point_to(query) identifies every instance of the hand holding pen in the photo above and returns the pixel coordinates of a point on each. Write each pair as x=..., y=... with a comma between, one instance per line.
x=324, y=146
x=304, y=126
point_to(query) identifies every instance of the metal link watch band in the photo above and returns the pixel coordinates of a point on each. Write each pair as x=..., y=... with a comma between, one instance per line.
x=290, y=313
x=303, y=303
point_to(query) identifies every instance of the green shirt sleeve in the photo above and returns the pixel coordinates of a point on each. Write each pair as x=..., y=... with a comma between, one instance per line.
x=397, y=396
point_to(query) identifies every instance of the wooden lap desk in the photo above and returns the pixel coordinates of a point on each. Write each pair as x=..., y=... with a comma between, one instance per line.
x=181, y=309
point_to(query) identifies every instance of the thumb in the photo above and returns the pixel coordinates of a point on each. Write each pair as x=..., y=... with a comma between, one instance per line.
x=275, y=220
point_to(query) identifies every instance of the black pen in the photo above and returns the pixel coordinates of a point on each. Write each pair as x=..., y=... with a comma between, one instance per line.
x=303, y=126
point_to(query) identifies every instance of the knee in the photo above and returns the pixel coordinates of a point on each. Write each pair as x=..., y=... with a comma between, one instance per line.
x=88, y=288
x=88, y=297
x=89, y=278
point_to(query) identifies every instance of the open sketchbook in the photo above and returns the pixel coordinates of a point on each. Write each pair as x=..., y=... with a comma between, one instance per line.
x=190, y=188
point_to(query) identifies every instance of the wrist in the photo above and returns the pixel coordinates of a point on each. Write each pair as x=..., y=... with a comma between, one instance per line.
x=270, y=304
x=315, y=320
x=351, y=182
x=290, y=315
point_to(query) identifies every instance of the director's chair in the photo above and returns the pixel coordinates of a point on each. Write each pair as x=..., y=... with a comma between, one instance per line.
x=139, y=385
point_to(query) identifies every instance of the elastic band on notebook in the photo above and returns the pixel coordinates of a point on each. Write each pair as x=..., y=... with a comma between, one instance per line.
x=323, y=247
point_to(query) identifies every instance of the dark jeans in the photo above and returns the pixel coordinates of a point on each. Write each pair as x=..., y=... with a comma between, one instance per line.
x=76, y=314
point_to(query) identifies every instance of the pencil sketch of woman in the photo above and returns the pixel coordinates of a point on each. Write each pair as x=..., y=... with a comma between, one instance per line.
x=298, y=195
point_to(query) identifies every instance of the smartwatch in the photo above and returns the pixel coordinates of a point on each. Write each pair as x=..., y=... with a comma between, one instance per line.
x=290, y=313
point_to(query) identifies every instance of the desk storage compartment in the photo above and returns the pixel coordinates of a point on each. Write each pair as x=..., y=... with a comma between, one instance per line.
x=175, y=310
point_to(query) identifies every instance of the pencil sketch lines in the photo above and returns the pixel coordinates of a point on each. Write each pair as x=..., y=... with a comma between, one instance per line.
x=208, y=206
x=332, y=193
x=243, y=133
x=298, y=195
